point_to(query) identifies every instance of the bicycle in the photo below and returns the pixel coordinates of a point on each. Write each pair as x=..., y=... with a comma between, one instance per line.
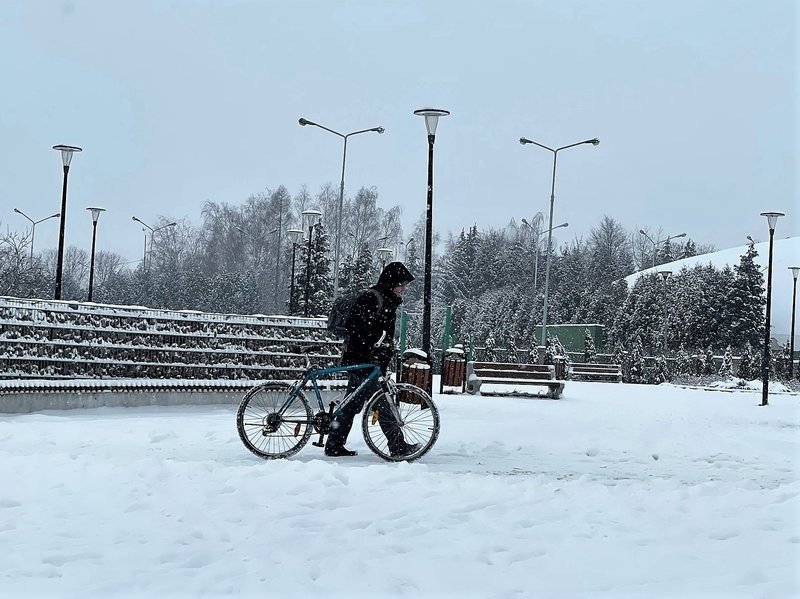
x=275, y=419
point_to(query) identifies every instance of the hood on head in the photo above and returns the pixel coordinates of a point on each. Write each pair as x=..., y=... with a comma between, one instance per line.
x=393, y=275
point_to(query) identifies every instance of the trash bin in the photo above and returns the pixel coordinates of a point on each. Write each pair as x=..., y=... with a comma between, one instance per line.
x=560, y=364
x=416, y=371
x=453, y=368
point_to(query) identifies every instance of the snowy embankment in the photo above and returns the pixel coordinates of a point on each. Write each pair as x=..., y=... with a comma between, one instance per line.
x=614, y=490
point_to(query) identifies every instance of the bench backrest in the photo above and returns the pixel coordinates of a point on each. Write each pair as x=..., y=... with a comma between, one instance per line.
x=513, y=371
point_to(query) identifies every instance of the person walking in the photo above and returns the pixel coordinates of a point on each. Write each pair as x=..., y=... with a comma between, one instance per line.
x=373, y=312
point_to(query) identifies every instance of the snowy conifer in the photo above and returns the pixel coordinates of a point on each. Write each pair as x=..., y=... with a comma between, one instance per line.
x=683, y=362
x=490, y=349
x=726, y=368
x=709, y=362
x=637, y=373
x=589, y=352
x=747, y=366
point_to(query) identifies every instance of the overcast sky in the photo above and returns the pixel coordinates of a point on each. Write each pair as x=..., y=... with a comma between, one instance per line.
x=175, y=102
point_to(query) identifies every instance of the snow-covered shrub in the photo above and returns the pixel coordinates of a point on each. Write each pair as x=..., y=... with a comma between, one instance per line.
x=726, y=368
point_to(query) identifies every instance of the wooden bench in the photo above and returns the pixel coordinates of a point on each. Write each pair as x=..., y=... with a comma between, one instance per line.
x=513, y=374
x=596, y=372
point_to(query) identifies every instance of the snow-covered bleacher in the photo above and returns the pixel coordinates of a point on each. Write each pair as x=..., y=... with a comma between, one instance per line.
x=58, y=340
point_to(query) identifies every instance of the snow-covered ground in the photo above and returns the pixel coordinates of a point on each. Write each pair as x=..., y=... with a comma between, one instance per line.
x=613, y=491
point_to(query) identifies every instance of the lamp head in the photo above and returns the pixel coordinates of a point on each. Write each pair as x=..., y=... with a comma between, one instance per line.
x=304, y=122
x=431, y=117
x=66, y=153
x=379, y=130
x=95, y=212
x=642, y=232
x=772, y=218
x=795, y=271
x=525, y=140
x=594, y=142
x=17, y=211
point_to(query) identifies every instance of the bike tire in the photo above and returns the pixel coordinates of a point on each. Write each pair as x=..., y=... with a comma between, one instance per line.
x=287, y=438
x=420, y=422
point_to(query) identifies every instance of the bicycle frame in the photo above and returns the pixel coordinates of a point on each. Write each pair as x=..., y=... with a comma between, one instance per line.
x=312, y=375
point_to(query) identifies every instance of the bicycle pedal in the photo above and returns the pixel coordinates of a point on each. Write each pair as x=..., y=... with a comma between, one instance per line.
x=318, y=444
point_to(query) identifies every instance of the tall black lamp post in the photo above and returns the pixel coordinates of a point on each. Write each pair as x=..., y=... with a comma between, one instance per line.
x=795, y=270
x=338, y=251
x=665, y=274
x=772, y=219
x=295, y=235
x=431, y=121
x=66, y=158
x=95, y=215
x=555, y=151
x=312, y=217
x=34, y=223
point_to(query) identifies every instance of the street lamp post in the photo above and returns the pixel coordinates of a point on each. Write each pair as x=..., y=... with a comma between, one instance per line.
x=657, y=243
x=772, y=219
x=95, y=215
x=153, y=231
x=665, y=274
x=384, y=254
x=555, y=151
x=795, y=270
x=66, y=158
x=431, y=121
x=338, y=250
x=33, y=224
x=313, y=217
x=536, y=233
x=295, y=235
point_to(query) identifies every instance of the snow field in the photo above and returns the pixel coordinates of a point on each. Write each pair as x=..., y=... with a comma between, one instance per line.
x=614, y=490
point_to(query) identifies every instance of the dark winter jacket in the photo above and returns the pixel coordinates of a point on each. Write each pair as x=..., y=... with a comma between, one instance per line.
x=369, y=316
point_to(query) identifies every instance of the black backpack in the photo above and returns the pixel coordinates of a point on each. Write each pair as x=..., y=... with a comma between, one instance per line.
x=340, y=311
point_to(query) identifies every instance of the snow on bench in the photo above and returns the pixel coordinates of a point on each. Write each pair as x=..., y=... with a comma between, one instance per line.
x=511, y=375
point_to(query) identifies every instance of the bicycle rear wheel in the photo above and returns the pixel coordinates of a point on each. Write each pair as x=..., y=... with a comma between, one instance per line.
x=419, y=418
x=269, y=433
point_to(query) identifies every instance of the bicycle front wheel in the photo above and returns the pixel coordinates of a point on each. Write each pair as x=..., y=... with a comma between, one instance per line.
x=418, y=425
x=265, y=429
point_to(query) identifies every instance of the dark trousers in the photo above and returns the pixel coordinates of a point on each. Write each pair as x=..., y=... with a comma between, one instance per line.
x=341, y=425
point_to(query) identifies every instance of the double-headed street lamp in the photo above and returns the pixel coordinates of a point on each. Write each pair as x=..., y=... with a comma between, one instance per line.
x=295, y=235
x=95, y=215
x=536, y=233
x=795, y=270
x=657, y=243
x=66, y=158
x=312, y=217
x=555, y=151
x=338, y=250
x=431, y=121
x=152, y=234
x=34, y=223
x=772, y=219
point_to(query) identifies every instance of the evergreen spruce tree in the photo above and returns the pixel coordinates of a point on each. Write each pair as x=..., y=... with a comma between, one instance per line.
x=683, y=362
x=589, y=352
x=782, y=362
x=637, y=372
x=660, y=373
x=747, y=366
x=490, y=349
x=620, y=356
x=709, y=362
x=512, y=349
x=699, y=361
x=726, y=368
x=533, y=352
x=745, y=302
